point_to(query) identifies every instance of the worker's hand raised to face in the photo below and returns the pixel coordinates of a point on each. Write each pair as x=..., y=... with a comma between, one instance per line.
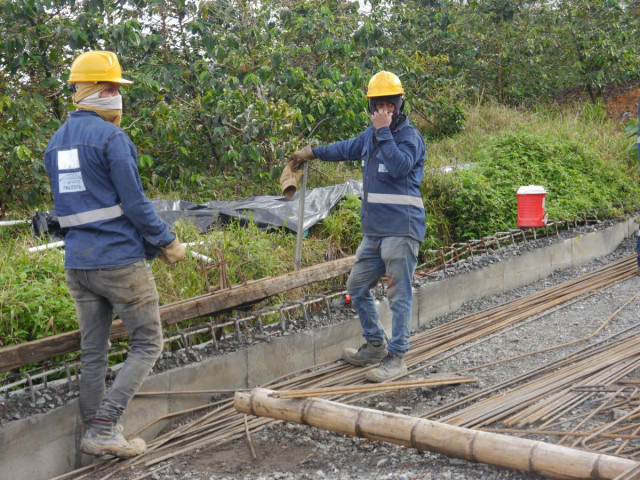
x=303, y=155
x=381, y=118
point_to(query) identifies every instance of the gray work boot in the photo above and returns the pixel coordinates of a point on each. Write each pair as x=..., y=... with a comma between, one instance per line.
x=105, y=438
x=367, y=354
x=390, y=367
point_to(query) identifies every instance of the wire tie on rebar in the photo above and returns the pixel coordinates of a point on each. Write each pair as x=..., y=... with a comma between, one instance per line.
x=212, y=332
x=67, y=371
x=317, y=298
x=236, y=330
x=31, y=391
x=303, y=307
x=185, y=342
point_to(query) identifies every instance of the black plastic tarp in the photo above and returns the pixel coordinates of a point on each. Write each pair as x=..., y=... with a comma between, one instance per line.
x=267, y=211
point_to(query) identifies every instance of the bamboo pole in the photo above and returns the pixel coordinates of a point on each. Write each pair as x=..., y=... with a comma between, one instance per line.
x=425, y=435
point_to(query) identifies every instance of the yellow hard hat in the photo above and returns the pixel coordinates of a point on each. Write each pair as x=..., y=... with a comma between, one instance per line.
x=96, y=66
x=383, y=84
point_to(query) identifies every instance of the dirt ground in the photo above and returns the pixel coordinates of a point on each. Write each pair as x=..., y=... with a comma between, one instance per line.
x=623, y=106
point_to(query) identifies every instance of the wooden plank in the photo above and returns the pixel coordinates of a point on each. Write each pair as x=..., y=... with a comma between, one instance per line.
x=251, y=292
x=42, y=349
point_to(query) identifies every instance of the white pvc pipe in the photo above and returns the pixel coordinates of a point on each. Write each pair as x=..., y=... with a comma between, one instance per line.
x=200, y=256
x=47, y=246
x=59, y=244
x=7, y=223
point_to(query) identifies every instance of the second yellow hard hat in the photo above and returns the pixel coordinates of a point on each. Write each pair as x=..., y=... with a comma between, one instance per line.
x=383, y=84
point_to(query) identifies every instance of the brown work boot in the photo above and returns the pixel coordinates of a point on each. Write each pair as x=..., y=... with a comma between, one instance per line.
x=105, y=438
x=391, y=366
x=367, y=354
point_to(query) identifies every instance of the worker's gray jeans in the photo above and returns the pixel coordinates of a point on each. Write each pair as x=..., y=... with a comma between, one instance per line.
x=397, y=257
x=131, y=292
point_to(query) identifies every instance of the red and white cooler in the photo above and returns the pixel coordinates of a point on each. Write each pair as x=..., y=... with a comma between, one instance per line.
x=531, y=211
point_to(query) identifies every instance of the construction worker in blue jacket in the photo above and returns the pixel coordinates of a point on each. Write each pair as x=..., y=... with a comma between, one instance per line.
x=392, y=153
x=113, y=231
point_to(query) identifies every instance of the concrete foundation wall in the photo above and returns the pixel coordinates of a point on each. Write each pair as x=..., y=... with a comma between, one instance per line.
x=44, y=446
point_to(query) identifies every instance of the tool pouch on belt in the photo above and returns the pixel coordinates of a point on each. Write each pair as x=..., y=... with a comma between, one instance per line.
x=290, y=179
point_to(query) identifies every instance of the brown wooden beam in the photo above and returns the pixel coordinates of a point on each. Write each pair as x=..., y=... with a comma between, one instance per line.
x=42, y=349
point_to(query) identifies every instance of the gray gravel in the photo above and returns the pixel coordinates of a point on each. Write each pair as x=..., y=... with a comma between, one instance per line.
x=291, y=451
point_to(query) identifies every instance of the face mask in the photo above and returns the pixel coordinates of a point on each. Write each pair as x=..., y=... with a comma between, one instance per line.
x=108, y=103
x=87, y=97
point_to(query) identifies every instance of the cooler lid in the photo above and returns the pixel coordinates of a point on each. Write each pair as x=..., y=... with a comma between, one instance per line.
x=531, y=189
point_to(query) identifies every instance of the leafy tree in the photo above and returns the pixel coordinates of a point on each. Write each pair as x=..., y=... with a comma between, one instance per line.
x=599, y=42
x=228, y=88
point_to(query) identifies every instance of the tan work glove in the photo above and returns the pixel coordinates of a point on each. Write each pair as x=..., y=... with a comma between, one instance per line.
x=290, y=179
x=173, y=253
x=303, y=155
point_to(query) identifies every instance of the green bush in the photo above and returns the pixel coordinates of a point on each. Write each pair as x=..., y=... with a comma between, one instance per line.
x=481, y=199
x=34, y=300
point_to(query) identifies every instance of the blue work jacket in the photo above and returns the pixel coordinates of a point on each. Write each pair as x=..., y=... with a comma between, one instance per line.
x=392, y=170
x=97, y=194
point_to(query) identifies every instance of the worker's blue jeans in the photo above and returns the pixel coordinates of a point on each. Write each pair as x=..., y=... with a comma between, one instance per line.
x=131, y=292
x=397, y=257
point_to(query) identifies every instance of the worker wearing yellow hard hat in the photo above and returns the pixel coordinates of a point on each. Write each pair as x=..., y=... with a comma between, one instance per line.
x=96, y=77
x=96, y=66
x=392, y=153
x=112, y=231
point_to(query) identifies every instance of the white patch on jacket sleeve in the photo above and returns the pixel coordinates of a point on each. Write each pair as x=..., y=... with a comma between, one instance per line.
x=382, y=168
x=68, y=159
x=70, y=182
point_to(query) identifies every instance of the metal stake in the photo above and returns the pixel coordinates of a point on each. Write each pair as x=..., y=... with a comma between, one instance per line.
x=303, y=188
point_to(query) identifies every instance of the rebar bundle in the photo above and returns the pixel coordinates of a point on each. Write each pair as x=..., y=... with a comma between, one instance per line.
x=544, y=400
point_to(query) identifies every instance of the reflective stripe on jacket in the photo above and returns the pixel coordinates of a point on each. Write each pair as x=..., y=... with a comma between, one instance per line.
x=392, y=170
x=92, y=165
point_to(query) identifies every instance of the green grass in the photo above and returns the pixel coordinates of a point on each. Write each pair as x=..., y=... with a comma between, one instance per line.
x=34, y=300
x=581, y=158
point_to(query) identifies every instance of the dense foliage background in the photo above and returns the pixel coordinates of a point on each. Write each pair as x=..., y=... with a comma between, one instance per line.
x=506, y=92
x=232, y=87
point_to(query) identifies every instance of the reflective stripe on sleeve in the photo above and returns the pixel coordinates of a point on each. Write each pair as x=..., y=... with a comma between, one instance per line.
x=90, y=216
x=395, y=199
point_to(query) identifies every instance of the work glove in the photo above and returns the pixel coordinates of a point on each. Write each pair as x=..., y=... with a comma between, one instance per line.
x=172, y=253
x=303, y=155
x=290, y=179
